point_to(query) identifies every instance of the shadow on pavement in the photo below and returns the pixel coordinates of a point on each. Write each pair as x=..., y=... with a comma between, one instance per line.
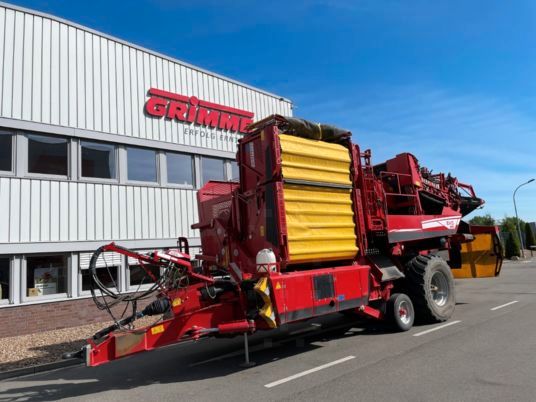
x=182, y=363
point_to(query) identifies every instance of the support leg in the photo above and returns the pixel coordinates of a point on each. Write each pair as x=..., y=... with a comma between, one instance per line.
x=247, y=362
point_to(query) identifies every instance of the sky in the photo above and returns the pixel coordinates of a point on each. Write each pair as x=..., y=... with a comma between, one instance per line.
x=450, y=81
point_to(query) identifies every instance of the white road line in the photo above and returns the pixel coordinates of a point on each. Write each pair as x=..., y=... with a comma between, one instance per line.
x=306, y=372
x=504, y=305
x=448, y=324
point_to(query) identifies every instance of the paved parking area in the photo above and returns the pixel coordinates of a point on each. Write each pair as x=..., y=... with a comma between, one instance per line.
x=486, y=351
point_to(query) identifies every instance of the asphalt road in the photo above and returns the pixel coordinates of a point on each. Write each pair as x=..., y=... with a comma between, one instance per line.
x=487, y=351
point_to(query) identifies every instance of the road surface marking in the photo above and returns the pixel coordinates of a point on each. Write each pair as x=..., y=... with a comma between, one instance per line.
x=504, y=305
x=448, y=324
x=306, y=372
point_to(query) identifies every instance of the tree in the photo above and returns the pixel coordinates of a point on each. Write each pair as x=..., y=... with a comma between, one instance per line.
x=483, y=220
x=511, y=221
x=529, y=236
x=511, y=248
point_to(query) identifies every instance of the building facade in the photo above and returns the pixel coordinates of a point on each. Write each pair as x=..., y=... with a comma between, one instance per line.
x=101, y=140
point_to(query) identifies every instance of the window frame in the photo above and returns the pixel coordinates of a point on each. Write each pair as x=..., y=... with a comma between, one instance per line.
x=202, y=168
x=99, y=179
x=47, y=175
x=13, y=135
x=194, y=173
x=229, y=170
x=136, y=288
x=79, y=269
x=24, y=278
x=157, y=182
x=83, y=293
x=9, y=299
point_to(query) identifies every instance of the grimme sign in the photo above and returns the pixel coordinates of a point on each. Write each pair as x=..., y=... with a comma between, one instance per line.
x=186, y=109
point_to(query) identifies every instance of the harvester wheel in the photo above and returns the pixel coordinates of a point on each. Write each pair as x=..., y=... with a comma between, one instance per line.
x=400, y=311
x=431, y=287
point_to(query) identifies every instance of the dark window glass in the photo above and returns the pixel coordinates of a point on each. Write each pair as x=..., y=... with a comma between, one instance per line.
x=46, y=275
x=212, y=169
x=107, y=276
x=179, y=169
x=141, y=164
x=6, y=152
x=98, y=160
x=47, y=154
x=234, y=171
x=4, y=278
x=139, y=276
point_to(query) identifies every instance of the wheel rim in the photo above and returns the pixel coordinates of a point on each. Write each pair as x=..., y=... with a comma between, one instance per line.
x=404, y=312
x=440, y=288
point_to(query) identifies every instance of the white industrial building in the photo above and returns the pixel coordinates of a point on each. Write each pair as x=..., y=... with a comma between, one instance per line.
x=102, y=140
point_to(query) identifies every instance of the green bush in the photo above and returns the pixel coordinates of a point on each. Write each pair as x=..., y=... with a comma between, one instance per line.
x=511, y=222
x=529, y=236
x=483, y=220
x=512, y=247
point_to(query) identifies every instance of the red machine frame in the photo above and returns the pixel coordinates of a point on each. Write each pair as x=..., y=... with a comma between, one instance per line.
x=400, y=210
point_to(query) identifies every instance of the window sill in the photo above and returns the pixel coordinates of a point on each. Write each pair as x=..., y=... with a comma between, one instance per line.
x=143, y=183
x=45, y=176
x=179, y=186
x=98, y=180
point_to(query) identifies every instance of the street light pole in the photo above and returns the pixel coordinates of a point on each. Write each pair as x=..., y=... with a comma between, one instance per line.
x=517, y=218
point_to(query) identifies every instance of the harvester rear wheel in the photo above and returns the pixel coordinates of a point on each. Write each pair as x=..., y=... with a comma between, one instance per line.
x=430, y=285
x=400, y=311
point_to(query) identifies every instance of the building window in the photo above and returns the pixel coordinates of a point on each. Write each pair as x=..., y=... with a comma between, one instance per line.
x=46, y=275
x=213, y=169
x=179, y=169
x=6, y=152
x=235, y=175
x=141, y=164
x=47, y=154
x=106, y=275
x=5, y=274
x=98, y=160
x=138, y=276
x=107, y=267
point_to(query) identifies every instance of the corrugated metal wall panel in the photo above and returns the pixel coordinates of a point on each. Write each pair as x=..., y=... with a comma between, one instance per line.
x=5, y=190
x=48, y=211
x=7, y=78
x=52, y=72
x=14, y=211
x=2, y=58
x=25, y=211
x=57, y=73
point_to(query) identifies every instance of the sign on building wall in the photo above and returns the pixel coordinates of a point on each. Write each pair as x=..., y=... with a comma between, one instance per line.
x=212, y=118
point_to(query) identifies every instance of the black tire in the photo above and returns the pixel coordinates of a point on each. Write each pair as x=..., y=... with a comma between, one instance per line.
x=430, y=285
x=400, y=311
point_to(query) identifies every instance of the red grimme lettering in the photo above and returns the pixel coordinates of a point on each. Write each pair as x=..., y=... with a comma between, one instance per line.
x=244, y=123
x=229, y=122
x=177, y=110
x=207, y=117
x=190, y=111
x=156, y=106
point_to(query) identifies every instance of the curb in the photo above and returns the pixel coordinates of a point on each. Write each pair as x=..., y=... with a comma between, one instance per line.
x=40, y=368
